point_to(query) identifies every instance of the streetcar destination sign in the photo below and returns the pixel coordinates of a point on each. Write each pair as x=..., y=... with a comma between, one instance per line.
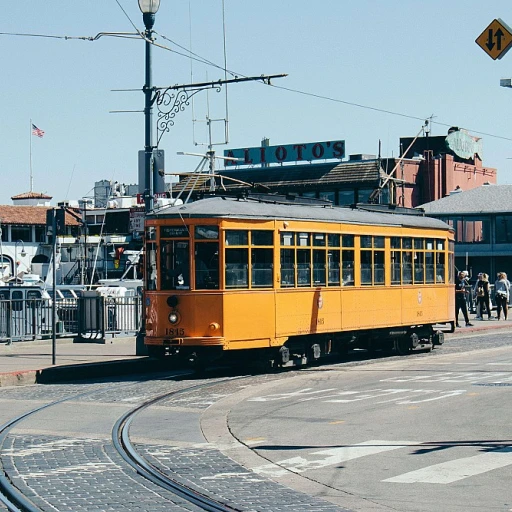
x=496, y=39
x=306, y=152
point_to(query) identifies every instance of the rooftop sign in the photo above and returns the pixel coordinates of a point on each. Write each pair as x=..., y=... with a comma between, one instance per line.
x=464, y=145
x=287, y=153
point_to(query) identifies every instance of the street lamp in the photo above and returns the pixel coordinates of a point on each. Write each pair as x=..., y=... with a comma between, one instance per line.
x=148, y=9
x=22, y=254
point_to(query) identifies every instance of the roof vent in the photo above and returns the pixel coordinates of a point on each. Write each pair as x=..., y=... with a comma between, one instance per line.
x=487, y=183
x=360, y=156
x=456, y=190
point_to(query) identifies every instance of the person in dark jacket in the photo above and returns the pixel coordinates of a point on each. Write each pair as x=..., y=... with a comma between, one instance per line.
x=461, y=288
x=483, y=302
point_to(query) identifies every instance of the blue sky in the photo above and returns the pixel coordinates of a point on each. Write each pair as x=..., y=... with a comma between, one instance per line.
x=411, y=58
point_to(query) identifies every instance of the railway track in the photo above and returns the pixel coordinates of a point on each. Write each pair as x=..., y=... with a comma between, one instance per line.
x=15, y=500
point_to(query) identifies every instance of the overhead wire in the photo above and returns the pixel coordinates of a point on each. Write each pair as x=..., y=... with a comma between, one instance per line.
x=191, y=55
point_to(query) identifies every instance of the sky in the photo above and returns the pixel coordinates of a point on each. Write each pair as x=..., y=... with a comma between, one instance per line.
x=363, y=72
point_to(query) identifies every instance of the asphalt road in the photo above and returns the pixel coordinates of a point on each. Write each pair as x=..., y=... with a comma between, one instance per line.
x=426, y=432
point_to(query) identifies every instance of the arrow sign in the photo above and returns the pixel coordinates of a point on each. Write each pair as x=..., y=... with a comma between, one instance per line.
x=496, y=39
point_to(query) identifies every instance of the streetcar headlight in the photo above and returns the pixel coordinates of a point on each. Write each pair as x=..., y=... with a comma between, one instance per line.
x=174, y=318
x=214, y=326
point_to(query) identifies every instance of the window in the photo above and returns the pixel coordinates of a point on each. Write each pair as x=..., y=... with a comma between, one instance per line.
x=151, y=269
x=346, y=197
x=237, y=259
x=262, y=259
x=372, y=260
x=207, y=265
x=174, y=264
x=23, y=233
x=206, y=257
x=328, y=196
x=333, y=267
x=287, y=268
x=470, y=230
x=503, y=228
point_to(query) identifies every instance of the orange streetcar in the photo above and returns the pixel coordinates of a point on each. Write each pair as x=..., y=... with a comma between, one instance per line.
x=265, y=278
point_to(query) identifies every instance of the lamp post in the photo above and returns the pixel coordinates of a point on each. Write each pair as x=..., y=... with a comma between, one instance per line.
x=148, y=9
x=22, y=254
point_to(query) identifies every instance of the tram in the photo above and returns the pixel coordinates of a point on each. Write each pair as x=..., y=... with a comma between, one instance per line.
x=266, y=278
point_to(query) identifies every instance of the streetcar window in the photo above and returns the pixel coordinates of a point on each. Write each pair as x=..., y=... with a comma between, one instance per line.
x=207, y=265
x=287, y=238
x=333, y=240
x=237, y=264
x=287, y=268
x=151, y=272
x=333, y=266
x=407, y=267
x=318, y=239
x=440, y=267
x=372, y=261
x=319, y=267
x=206, y=232
x=429, y=266
x=396, y=242
x=262, y=268
x=347, y=267
x=419, y=267
x=407, y=243
x=366, y=267
x=175, y=265
x=303, y=239
x=303, y=267
x=238, y=237
x=396, y=274
x=262, y=238
x=366, y=242
x=347, y=241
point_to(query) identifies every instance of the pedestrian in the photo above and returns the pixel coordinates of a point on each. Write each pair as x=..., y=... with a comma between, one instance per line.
x=483, y=302
x=502, y=294
x=461, y=285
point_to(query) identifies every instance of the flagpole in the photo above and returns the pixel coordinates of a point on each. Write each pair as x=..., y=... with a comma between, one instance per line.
x=31, y=178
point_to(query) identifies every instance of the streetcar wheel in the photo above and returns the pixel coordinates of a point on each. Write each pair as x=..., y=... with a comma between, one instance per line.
x=403, y=346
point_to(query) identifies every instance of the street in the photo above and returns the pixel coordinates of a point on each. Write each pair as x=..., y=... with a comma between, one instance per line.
x=425, y=432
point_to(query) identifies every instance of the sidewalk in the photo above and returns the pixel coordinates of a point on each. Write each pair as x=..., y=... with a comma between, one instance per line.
x=30, y=362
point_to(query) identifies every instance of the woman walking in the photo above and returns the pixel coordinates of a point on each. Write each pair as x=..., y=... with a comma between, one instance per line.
x=502, y=294
x=482, y=289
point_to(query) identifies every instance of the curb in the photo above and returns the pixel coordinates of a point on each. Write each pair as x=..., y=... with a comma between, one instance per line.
x=75, y=372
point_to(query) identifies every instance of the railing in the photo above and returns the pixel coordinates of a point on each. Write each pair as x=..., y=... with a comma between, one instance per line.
x=87, y=317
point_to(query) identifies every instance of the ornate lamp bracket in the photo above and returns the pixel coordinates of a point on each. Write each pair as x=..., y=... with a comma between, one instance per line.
x=170, y=102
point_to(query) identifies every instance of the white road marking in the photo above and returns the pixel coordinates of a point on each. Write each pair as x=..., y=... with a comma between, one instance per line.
x=51, y=446
x=293, y=394
x=331, y=457
x=454, y=470
x=88, y=468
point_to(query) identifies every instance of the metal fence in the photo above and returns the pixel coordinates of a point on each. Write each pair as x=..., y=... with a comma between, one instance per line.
x=85, y=317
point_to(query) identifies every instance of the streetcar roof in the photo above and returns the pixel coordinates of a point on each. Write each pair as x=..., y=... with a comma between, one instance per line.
x=234, y=208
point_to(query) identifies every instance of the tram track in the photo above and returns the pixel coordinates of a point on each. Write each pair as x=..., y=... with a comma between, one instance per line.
x=15, y=500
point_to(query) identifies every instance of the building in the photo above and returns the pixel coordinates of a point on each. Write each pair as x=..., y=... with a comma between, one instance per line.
x=428, y=169
x=482, y=220
x=24, y=242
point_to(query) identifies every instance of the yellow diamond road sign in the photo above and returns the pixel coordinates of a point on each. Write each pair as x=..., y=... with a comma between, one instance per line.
x=496, y=39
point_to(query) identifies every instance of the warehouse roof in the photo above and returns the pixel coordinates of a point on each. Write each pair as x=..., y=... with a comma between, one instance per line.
x=484, y=199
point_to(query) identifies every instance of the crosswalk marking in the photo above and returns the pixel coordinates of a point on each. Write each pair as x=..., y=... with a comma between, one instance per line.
x=331, y=457
x=451, y=471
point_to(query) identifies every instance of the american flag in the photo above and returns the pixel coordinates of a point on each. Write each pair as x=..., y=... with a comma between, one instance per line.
x=37, y=131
